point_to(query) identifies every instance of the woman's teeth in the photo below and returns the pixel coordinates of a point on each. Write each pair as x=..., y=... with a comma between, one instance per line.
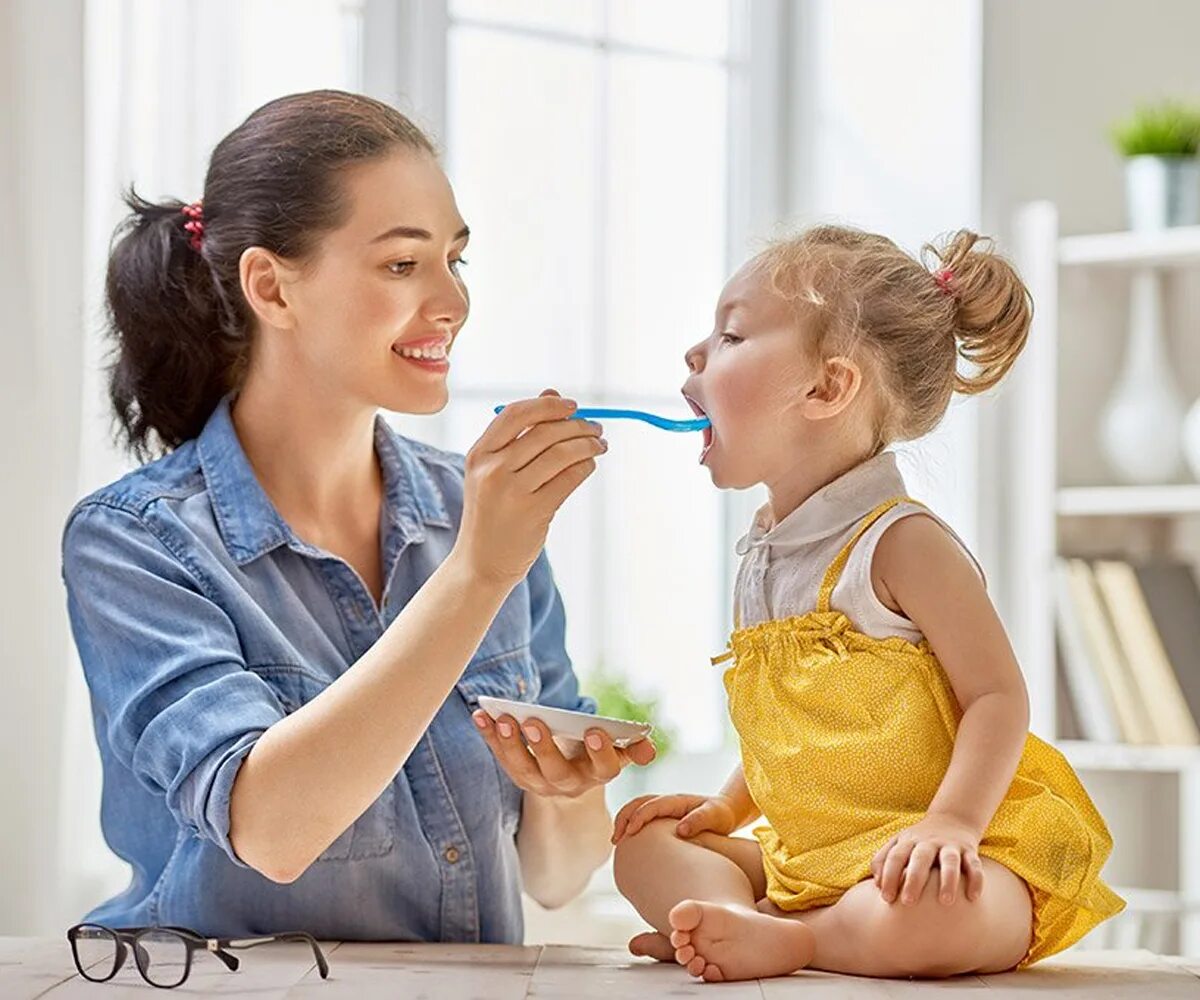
x=430, y=353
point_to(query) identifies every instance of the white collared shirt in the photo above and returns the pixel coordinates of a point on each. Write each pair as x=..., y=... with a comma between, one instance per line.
x=782, y=566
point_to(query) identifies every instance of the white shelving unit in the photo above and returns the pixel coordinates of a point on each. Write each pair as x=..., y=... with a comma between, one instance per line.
x=1036, y=504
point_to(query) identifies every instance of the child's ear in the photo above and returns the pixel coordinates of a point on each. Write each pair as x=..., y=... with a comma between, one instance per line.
x=837, y=383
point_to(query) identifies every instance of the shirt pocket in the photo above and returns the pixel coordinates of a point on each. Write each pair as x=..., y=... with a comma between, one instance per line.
x=372, y=835
x=511, y=674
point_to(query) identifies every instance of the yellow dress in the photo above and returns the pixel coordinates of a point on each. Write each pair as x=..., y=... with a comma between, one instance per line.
x=845, y=739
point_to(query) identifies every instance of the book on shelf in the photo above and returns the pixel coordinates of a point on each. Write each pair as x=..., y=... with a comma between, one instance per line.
x=1173, y=595
x=1090, y=692
x=1129, y=638
x=1105, y=657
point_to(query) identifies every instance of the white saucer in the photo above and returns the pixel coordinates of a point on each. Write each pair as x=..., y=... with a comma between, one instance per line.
x=568, y=728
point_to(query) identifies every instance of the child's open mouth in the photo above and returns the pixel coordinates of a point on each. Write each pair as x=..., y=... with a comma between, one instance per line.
x=707, y=432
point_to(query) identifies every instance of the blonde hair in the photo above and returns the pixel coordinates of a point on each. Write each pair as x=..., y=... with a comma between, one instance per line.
x=858, y=294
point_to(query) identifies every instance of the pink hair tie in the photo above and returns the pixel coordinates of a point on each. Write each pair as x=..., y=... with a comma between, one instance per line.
x=943, y=278
x=195, y=223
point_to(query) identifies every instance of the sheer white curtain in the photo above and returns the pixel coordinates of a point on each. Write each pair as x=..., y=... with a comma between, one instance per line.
x=163, y=83
x=41, y=156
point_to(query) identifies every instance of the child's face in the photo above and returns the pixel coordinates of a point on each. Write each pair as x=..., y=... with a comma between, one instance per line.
x=751, y=377
x=386, y=280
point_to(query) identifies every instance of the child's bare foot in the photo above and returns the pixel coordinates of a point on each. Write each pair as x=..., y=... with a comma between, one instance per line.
x=718, y=942
x=654, y=945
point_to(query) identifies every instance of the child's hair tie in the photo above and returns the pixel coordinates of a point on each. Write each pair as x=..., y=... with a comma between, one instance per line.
x=944, y=277
x=195, y=223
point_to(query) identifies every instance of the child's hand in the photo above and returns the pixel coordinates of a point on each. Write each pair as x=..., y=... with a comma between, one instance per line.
x=696, y=813
x=903, y=865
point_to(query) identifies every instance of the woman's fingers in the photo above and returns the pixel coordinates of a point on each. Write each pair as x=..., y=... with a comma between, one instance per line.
x=538, y=440
x=504, y=739
x=603, y=758
x=559, y=772
x=521, y=415
x=641, y=753
x=950, y=870
x=555, y=492
x=558, y=458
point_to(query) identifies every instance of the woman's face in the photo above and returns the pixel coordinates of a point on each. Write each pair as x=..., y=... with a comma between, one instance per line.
x=749, y=377
x=379, y=307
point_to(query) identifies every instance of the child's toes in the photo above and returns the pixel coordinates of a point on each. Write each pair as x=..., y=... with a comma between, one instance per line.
x=712, y=974
x=697, y=966
x=685, y=916
x=680, y=938
x=653, y=945
x=685, y=954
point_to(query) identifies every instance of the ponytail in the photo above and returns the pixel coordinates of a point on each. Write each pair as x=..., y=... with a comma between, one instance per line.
x=175, y=354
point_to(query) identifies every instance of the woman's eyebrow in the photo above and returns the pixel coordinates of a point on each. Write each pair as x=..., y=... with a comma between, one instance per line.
x=415, y=233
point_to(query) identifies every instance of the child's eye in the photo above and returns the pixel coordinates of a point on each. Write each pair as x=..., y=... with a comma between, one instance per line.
x=729, y=338
x=401, y=267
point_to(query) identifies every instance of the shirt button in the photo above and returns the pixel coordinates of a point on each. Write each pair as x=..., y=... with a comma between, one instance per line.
x=521, y=684
x=452, y=854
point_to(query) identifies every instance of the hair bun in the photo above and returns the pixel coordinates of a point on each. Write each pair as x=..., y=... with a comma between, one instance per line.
x=992, y=311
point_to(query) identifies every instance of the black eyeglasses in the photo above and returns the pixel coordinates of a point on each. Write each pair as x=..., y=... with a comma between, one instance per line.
x=163, y=955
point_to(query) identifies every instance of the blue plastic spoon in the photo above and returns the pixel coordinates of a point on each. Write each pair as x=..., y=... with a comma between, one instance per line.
x=666, y=423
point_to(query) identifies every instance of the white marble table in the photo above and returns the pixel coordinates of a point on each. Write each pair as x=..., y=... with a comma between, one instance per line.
x=38, y=967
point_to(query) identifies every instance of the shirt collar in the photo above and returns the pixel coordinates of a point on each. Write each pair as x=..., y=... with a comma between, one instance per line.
x=832, y=509
x=249, y=524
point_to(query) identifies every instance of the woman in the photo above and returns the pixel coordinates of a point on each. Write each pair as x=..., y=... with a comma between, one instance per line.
x=286, y=621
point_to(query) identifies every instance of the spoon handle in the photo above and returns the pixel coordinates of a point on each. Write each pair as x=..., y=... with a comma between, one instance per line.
x=666, y=423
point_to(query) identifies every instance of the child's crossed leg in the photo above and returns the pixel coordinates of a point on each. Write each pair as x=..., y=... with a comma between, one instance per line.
x=705, y=897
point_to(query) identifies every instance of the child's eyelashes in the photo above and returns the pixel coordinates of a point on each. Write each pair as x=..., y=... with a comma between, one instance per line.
x=729, y=338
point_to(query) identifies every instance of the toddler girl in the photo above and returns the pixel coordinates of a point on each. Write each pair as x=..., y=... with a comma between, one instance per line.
x=914, y=827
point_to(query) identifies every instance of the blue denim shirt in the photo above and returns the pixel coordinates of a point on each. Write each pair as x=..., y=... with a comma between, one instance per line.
x=202, y=620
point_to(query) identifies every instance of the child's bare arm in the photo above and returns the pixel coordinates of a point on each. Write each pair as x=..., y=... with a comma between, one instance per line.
x=920, y=571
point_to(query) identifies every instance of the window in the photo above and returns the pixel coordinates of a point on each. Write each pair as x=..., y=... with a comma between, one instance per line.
x=590, y=147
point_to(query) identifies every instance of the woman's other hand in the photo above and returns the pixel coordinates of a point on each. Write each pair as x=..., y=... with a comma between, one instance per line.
x=532, y=759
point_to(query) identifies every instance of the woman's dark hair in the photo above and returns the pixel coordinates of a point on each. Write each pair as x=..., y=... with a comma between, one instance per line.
x=175, y=311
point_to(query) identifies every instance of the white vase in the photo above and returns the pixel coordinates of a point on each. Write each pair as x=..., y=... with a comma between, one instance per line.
x=1191, y=439
x=1162, y=191
x=1141, y=426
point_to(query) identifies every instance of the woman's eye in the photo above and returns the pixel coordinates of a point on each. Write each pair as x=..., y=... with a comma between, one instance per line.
x=457, y=263
x=402, y=267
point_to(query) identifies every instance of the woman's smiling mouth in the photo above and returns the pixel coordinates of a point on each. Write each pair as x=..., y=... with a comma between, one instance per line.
x=429, y=353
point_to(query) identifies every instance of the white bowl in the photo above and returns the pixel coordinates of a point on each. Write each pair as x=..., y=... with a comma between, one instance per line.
x=568, y=728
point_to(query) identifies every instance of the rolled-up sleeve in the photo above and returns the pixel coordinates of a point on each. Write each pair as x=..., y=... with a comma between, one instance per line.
x=560, y=687
x=170, y=689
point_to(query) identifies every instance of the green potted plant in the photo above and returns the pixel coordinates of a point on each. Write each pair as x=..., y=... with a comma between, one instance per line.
x=616, y=698
x=1162, y=174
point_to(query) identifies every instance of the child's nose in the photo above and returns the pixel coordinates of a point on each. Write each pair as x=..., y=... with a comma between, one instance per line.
x=694, y=358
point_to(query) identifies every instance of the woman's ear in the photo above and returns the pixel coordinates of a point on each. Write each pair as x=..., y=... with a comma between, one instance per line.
x=837, y=383
x=265, y=278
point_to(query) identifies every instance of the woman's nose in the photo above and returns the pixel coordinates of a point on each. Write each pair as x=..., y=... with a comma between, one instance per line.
x=448, y=302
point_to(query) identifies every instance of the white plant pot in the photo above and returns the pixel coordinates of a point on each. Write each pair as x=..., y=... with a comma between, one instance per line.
x=1162, y=191
x=1191, y=439
x=1141, y=427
